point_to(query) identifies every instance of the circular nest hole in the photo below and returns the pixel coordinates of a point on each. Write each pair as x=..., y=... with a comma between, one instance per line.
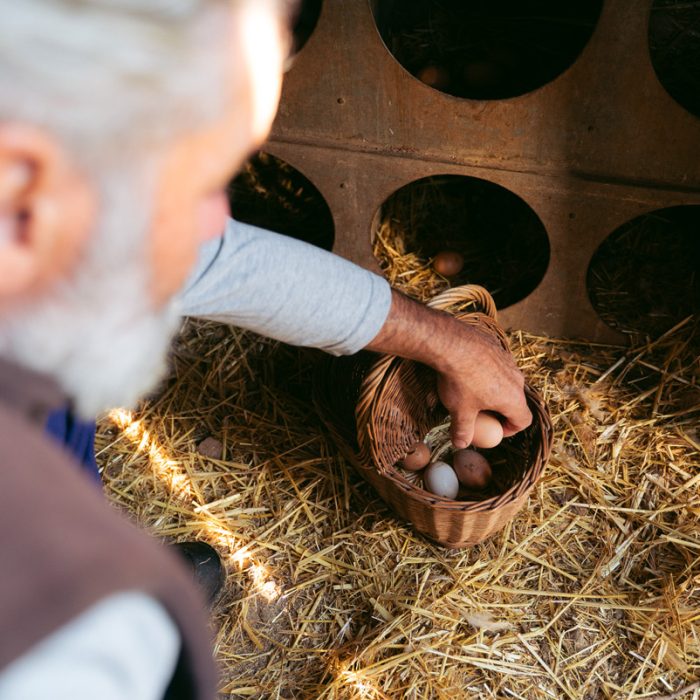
x=486, y=49
x=303, y=20
x=674, y=44
x=644, y=278
x=271, y=194
x=502, y=241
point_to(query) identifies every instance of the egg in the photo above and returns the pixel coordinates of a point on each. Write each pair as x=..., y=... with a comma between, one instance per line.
x=448, y=263
x=472, y=469
x=439, y=478
x=434, y=76
x=488, y=431
x=417, y=457
x=211, y=447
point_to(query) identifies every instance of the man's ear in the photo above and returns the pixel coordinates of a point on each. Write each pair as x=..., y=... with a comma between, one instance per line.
x=47, y=209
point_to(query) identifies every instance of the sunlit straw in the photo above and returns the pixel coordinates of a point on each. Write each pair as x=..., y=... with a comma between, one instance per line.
x=165, y=468
x=169, y=470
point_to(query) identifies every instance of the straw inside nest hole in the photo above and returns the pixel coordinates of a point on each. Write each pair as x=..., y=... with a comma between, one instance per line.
x=502, y=241
x=645, y=276
x=274, y=195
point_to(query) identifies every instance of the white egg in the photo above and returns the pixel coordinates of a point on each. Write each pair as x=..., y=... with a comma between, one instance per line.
x=439, y=478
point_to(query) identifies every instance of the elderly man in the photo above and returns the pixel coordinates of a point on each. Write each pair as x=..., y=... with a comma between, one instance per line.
x=121, y=121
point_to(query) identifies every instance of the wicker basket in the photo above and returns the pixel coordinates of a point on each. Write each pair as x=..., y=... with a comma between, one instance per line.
x=377, y=406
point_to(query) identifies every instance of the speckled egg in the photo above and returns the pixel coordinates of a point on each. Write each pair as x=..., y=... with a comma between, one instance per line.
x=472, y=468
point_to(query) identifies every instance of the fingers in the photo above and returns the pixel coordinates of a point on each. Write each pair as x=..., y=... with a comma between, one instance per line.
x=517, y=418
x=486, y=380
x=513, y=408
x=462, y=429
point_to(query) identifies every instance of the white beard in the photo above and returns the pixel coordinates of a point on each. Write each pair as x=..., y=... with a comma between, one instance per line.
x=97, y=333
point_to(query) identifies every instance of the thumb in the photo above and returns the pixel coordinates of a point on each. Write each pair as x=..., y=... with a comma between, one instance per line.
x=462, y=430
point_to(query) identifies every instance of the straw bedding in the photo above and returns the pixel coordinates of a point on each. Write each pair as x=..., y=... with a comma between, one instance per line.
x=593, y=591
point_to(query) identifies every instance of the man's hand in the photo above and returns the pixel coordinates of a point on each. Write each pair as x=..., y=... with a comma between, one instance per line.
x=474, y=373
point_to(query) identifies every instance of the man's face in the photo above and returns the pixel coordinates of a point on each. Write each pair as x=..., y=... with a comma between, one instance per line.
x=80, y=300
x=191, y=204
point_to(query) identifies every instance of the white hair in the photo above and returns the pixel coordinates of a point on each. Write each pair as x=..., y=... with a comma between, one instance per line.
x=109, y=76
x=115, y=81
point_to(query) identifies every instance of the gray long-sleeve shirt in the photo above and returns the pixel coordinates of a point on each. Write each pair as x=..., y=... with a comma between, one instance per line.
x=286, y=289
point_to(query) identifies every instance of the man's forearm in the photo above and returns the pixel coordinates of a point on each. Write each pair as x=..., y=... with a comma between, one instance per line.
x=417, y=332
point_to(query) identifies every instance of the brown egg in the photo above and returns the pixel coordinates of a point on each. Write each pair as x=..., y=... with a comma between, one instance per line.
x=448, y=263
x=417, y=457
x=472, y=468
x=488, y=431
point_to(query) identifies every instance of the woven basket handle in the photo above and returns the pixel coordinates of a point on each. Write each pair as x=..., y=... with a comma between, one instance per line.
x=457, y=298
x=453, y=300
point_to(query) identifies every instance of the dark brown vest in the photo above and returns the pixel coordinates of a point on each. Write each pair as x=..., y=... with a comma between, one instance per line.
x=63, y=548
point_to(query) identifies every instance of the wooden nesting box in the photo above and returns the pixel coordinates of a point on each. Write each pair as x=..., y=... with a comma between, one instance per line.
x=597, y=146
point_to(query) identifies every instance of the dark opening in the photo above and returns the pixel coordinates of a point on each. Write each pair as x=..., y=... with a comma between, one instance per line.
x=271, y=194
x=486, y=49
x=644, y=278
x=303, y=22
x=674, y=43
x=502, y=241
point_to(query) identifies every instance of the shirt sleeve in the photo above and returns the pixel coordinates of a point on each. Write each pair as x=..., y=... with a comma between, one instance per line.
x=286, y=289
x=123, y=648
